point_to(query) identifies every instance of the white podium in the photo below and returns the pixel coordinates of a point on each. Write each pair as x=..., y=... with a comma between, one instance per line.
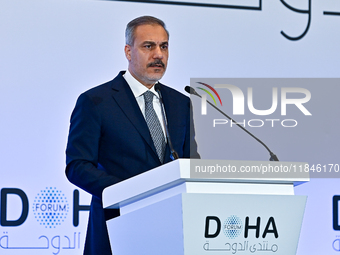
x=194, y=207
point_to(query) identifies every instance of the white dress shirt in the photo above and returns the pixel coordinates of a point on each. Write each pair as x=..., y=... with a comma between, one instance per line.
x=138, y=89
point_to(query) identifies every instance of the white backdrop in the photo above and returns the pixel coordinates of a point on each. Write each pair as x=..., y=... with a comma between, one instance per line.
x=52, y=50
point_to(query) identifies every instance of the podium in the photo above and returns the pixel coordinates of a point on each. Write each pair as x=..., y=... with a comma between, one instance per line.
x=196, y=207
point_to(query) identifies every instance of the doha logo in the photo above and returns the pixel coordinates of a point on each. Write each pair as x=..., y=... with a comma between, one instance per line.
x=50, y=207
x=232, y=227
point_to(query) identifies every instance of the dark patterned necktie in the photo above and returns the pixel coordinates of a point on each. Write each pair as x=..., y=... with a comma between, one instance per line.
x=154, y=125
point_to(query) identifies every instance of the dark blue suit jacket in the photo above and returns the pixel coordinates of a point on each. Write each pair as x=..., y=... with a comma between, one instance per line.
x=109, y=141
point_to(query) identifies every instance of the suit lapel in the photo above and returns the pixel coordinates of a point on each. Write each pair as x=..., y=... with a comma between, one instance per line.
x=124, y=97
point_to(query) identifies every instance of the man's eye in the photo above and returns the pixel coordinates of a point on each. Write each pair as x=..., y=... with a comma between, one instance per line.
x=147, y=46
x=164, y=47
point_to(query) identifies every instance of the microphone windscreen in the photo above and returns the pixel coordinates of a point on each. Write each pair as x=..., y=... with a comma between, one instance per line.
x=189, y=89
x=157, y=87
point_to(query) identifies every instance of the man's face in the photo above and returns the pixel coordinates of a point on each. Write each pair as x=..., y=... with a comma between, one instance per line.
x=148, y=56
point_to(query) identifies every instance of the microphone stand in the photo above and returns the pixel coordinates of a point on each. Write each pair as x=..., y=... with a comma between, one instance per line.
x=173, y=153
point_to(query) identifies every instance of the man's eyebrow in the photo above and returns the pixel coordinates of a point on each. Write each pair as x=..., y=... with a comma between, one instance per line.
x=153, y=43
x=149, y=42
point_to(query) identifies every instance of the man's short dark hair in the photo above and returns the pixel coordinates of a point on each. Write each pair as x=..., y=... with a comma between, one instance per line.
x=143, y=20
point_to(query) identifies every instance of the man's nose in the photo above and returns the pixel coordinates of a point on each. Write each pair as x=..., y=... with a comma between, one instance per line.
x=158, y=53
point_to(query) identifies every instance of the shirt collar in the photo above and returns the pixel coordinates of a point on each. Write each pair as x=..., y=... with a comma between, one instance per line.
x=137, y=88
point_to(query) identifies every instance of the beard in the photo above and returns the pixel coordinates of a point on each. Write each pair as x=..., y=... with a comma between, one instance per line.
x=149, y=74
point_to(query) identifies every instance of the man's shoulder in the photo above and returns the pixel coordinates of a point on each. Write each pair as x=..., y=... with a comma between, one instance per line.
x=101, y=89
x=104, y=89
x=174, y=93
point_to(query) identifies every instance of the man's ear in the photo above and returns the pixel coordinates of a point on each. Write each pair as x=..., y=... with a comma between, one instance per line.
x=127, y=50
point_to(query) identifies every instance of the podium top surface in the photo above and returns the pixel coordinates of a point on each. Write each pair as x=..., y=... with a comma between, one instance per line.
x=205, y=171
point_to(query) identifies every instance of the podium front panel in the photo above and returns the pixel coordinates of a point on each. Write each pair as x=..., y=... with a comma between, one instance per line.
x=202, y=224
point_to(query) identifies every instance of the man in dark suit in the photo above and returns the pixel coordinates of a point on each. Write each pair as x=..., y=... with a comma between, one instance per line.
x=111, y=138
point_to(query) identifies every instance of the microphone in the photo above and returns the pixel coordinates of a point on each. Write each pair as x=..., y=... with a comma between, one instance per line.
x=192, y=91
x=173, y=153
